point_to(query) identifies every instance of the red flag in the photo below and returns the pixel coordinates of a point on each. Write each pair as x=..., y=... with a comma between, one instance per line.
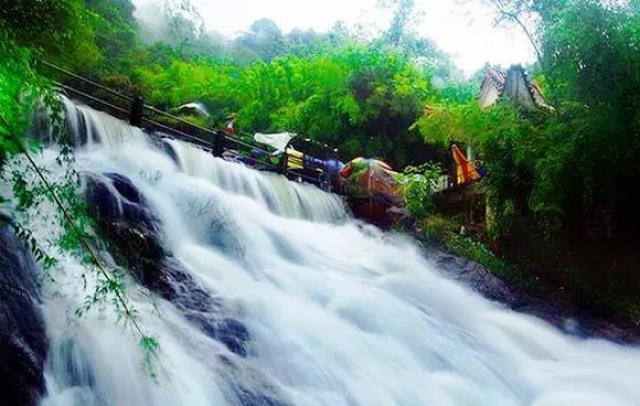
x=466, y=171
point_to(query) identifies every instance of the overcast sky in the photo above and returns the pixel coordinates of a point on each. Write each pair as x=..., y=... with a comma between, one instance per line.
x=467, y=34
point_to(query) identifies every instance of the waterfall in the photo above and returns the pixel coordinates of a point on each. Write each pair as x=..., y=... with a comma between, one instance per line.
x=269, y=294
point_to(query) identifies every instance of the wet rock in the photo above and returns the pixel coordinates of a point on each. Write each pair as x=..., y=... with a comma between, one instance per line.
x=132, y=230
x=200, y=307
x=233, y=334
x=371, y=211
x=160, y=140
x=474, y=275
x=248, y=397
x=23, y=340
x=492, y=287
x=260, y=392
x=135, y=239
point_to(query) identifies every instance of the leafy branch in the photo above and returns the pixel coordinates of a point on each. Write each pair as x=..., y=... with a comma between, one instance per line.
x=112, y=283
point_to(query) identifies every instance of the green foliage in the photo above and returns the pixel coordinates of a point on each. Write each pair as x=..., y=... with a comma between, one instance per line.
x=359, y=98
x=475, y=250
x=419, y=185
x=84, y=35
x=39, y=253
x=438, y=227
x=60, y=30
x=572, y=166
x=34, y=192
x=470, y=248
x=523, y=158
x=562, y=182
x=113, y=25
x=20, y=89
x=23, y=95
x=150, y=347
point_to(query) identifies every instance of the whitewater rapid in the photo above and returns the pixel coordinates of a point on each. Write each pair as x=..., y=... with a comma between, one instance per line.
x=337, y=312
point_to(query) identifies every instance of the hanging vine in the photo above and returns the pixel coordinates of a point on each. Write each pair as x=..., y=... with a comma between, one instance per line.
x=32, y=186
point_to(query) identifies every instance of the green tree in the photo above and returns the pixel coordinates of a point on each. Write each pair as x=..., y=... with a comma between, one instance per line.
x=20, y=88
x=59, y=30
x=114, y=25
x=562, y=181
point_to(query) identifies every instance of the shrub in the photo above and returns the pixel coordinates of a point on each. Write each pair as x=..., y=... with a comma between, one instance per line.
x=419, y=183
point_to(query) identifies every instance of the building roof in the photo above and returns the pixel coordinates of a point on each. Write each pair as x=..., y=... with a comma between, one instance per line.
x=513, y=84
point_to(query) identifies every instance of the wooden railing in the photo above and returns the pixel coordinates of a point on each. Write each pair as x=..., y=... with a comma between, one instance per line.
x=143, y=115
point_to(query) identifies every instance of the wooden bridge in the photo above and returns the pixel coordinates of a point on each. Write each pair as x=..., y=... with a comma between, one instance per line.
x=138, y=114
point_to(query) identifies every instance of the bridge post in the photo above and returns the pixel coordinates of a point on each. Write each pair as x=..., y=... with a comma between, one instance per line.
x=135, y=115
x=284, y=163
x=218, y=144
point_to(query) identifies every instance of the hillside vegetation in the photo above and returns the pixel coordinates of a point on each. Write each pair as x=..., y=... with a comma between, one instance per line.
x=562, y=184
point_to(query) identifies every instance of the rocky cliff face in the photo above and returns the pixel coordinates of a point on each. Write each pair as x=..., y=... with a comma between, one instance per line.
x=23, y=340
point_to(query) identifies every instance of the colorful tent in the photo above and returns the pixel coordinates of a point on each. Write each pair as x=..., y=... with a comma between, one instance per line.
x=466, y=171
x=371, y=179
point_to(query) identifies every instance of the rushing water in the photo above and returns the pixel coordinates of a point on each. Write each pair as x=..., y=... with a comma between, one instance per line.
x=337, y=313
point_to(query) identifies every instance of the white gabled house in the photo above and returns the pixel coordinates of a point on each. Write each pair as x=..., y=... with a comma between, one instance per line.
x=514, y=85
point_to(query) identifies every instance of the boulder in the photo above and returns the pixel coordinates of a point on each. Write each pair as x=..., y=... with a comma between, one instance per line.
x=135, y=238
x=23, y=339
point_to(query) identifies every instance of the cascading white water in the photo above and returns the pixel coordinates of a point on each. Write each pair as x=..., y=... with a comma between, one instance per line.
x=337, y=312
